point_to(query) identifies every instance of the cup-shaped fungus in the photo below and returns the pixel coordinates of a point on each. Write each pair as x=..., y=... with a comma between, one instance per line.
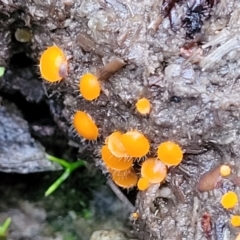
x=235, y=221
x=153, y=170
x=143, y=106
x=135, y=143
x=85, y=126
x=89, y=87
x=128, y=180
x=238, y=237
x=53, y=64
x=114, y=162
x=229, y=200
x=225, y=170
x=115, y=144
x=142, y=184
x=170, y=153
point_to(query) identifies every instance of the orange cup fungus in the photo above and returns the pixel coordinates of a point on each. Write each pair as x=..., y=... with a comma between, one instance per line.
x=153, y=170
x=114, y=162
x=115, y=144
x=229, y=200
x=85, y=126
x=135, y=143
x=238, y=237
x=235, y=221
x=225, y=170
x=53, y=64
x=128, y=180
x=170, y=153
x=89, y=87
x=143, y=106
x=142, y=184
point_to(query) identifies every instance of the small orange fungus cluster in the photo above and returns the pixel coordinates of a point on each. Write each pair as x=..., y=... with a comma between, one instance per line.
x=143, y=106
x=89, y=87
x=53, y=64
x=225, y=170
x=121, y=150
x=229, y=200
x=119, y=153
x=85, y=125
x=235, y=221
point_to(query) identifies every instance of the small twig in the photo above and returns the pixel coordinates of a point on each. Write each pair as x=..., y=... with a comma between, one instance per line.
x=120, y=195
x=109, y=69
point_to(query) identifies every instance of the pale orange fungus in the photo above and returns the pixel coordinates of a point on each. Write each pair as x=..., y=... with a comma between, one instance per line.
x=89, y=87
x=170, y=153
x=143, y=106
x=115, y=144
x=229, y=200
x=225, y=170
x=153, y=170
x=142, y=184
x=53, y=64
x=235, y=221
x=113, y=162
x=238, y=237
x=135, y=143
x=127, y=181
x=85, y=126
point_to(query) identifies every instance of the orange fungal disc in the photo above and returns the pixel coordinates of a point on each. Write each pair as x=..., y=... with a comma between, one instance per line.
x=142, y=184
x=113, y=162
x=225, y=170
x=143, y=106
x=127, y=181
x=115, y=144
x=53, y=64
x=89, y=87
x=238, y=237
x=85, y=126
x=121, y=173
x=229, y=200
x=135, y=143
x=153, y=170
x=170, y=153
x=235, y=221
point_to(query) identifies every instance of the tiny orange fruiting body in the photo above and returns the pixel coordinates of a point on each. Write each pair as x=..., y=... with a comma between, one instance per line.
x=229, y=200
x=114, y=162
x=115, y=144
x=153, y=170
x=85, y=126
x=127, y=181
x=225, y=170
x=238, y=237
x=170, y=153
x=89, y=87
x=142, y=184
x=53, y=64
x=235, y=221
x=135, y=143
x=143, y=106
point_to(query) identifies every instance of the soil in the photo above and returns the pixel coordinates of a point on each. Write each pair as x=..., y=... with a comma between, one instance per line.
x=181, y=55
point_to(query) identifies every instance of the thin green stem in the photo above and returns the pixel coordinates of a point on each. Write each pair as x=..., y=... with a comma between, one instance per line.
x=4, y=227
x=69, y=168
